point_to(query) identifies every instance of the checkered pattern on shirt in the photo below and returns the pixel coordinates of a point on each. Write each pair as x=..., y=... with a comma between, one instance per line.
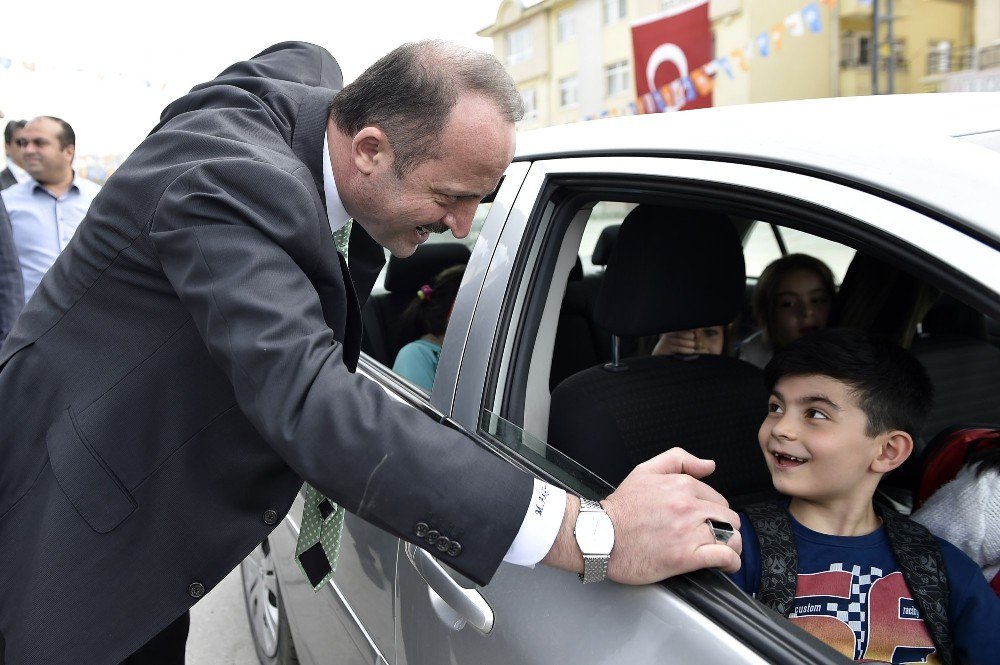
x=853, y=611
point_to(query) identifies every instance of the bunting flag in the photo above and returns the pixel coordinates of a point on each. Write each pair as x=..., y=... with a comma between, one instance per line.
x=693, y=88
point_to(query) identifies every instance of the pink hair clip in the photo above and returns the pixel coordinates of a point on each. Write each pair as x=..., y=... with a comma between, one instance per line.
x=425, y=292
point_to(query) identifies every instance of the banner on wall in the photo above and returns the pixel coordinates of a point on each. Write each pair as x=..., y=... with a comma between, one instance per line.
x=667, y=50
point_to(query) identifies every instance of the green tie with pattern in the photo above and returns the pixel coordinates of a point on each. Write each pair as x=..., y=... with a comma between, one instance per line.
x=322, y=520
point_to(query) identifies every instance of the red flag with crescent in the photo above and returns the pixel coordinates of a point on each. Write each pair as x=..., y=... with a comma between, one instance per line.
x=670, y=47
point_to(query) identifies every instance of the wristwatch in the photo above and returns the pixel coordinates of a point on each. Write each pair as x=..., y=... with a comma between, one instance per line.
x=596, y=536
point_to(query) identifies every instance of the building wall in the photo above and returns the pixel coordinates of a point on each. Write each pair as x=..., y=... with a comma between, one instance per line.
x=806, y=66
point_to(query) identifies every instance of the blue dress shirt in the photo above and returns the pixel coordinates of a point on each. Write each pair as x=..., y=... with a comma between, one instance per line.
x=43, y=224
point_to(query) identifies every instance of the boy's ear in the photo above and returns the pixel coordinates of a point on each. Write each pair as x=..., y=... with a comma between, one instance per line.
x=896, y=448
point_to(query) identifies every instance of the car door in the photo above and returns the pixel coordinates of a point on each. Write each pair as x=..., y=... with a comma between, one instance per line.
x=501, y=396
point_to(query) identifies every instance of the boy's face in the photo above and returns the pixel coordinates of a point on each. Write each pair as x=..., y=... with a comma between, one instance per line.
x=815, y=443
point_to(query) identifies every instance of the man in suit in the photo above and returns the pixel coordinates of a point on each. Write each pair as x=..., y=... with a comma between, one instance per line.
x=14, y=172
x=11, y=283
x=189, y=360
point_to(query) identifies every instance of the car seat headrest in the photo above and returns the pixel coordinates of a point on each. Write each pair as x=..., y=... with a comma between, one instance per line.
x=409, y=274
x=605, y=243
x=671, y=269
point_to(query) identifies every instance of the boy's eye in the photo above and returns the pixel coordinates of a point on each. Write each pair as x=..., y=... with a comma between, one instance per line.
x=821, y=300
x=817, y=414
x=710, y=332
x=774, y=407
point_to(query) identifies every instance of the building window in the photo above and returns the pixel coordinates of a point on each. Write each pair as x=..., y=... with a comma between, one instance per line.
x=519, y=45
x=568, y=92
x=940, y=59
x=566, y=23
x=614, y=10
x=530, y=104
x=616, y=78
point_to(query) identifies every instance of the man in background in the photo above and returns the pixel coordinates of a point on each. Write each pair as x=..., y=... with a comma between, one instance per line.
x=14, y=172
x=45, y=211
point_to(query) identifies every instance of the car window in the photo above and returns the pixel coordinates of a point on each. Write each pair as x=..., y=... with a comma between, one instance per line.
x=388, y=328
x=761, y=248
x=566, y=344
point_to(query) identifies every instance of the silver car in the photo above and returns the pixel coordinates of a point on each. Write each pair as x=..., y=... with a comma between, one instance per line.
x=910, y=184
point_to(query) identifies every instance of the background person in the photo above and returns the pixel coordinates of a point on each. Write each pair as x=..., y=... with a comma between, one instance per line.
x=14, y=172
x=792, y=298
x=424, y=322
x=711, y=340
x=46, y=210
x=189, y=359
x=11, y=283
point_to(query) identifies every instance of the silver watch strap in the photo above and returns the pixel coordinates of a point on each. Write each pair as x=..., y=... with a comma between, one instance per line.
x=595, y=568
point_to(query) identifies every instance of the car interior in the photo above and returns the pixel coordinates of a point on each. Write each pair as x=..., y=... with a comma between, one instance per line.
x=632, y=270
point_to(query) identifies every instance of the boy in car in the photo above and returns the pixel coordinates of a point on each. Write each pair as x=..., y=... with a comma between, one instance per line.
x=844, y=410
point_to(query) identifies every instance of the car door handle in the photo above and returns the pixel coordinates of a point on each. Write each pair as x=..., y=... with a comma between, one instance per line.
x=466, y=605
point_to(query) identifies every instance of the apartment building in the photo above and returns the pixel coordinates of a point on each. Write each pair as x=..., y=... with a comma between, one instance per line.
x=576, y=59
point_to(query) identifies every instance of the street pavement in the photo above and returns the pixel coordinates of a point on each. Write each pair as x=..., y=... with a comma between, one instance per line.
x=220, y=634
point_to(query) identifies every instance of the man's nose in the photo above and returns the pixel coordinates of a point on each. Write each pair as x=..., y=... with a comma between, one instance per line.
x=459, y=218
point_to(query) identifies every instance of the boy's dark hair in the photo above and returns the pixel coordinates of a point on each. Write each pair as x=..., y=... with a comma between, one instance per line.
x=890, y=385
x=428, y=314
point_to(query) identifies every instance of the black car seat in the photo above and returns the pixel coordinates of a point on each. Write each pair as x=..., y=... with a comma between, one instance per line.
x=670, y=270
x=403, y=278
x=580, y=342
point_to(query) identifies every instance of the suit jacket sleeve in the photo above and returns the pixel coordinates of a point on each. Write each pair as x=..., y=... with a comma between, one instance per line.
x=237, y=239
x=11, y=281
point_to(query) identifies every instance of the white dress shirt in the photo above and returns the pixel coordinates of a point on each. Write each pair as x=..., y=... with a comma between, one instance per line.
x=19, y=174
x=544, y=513
x=43, y=224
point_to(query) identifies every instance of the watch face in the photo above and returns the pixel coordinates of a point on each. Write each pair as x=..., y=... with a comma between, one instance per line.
x=594, y=533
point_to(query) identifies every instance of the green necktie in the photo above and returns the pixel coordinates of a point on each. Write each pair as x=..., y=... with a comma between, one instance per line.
x=322, y=520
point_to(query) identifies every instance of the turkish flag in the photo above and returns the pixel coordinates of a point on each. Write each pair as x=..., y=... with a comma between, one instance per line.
x=667, y=49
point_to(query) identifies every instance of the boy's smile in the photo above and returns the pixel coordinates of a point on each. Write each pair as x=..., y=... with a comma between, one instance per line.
x=815, y=440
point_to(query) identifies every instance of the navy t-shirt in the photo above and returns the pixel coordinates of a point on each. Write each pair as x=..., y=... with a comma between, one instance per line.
x=851, y=595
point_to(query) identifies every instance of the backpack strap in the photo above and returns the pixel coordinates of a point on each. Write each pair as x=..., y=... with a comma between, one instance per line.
x=922, y=563
x=779, y=561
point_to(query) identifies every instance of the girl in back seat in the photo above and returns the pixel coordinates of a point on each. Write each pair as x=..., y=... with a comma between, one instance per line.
x=792, y=298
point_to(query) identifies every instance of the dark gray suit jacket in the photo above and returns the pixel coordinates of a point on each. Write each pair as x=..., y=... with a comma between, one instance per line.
x=188, y=361
x=7, y=178
x=11, y=280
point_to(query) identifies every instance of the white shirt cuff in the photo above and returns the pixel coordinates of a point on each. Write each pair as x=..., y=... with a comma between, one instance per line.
x=540, y=527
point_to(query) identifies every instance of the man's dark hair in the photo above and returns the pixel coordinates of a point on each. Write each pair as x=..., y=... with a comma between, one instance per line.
x=12, y=126
x=409, y=94
x=890, y=385
x=66, y=135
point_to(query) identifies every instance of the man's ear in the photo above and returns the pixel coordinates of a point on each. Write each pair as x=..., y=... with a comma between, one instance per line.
x=370, y=150
x=896, y=448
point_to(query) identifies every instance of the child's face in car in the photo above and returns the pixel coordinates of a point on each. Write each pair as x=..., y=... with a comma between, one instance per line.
x=802, y=305
x=815, y=441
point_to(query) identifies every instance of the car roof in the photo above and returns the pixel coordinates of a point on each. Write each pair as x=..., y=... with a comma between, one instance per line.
x=904, y=145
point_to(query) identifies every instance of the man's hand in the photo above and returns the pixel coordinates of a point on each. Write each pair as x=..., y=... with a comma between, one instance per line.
x=659, y=513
